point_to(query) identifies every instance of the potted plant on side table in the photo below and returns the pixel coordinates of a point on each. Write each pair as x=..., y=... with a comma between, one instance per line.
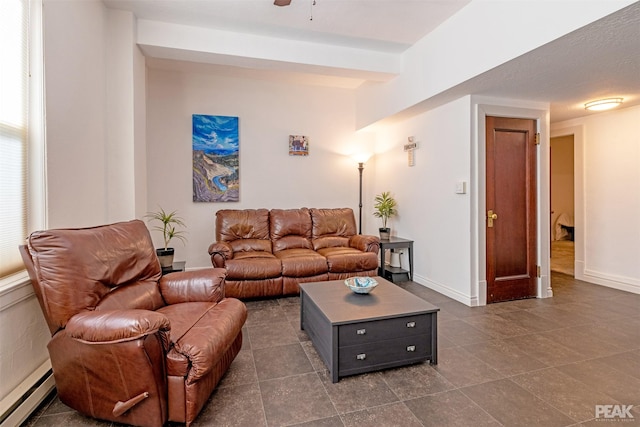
x=385, y=208
x=168, y=223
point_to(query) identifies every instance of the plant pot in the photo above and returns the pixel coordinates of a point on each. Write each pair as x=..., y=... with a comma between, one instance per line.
x=384, y=233
x=166, y=257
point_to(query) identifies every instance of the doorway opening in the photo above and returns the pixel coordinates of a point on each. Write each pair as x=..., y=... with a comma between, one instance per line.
x=562, y=195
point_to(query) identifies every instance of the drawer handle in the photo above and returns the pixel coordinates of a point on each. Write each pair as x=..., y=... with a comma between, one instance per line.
x=411, y=348
x=361, y=356
x=411, y=324
x=361, y=331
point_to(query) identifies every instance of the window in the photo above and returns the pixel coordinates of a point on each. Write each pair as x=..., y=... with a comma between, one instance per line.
x=14, y=54
x=22, y=174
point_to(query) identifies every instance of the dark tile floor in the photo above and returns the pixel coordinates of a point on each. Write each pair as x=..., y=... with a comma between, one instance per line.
x=536, y=362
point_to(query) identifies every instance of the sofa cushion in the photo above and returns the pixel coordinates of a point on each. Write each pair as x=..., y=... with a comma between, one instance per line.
x=233, y=224
x=301, y=262
x=291, y=242
x=253, y=265
x=330, y=242
x=333, y=222
x=290, y=228
x=342, y=259
x=250, y=245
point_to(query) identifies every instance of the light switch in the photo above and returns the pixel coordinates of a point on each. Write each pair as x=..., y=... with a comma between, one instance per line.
x=461, y=187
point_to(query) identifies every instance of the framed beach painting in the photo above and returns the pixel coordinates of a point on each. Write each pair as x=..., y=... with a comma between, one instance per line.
x=215, y=146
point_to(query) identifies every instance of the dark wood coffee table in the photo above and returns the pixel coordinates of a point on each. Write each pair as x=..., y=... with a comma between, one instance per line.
x=356, y=333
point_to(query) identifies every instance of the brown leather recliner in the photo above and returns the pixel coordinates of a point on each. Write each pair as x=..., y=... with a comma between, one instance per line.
x=128, y=344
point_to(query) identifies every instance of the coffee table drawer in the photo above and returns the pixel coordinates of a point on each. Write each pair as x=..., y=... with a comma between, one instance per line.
x=381, y=354
x=378, y=330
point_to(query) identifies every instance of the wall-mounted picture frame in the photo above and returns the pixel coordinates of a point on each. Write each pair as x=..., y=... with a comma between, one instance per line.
x=298, y=145
x=216, y=149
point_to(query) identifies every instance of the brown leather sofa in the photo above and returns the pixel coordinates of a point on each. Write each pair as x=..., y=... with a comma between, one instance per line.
x=128, y=344
x=268, y=252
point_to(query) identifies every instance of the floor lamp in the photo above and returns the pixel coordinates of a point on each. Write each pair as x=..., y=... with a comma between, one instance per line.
x=360, y=169
x=361, y=159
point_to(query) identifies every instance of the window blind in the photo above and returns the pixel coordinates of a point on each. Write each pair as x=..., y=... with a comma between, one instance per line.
x=14, y=95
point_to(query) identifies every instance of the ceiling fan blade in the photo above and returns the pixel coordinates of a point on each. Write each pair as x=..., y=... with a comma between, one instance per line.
x=282, y=2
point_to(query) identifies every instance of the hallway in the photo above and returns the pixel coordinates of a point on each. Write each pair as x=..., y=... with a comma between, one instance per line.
x=563, y=257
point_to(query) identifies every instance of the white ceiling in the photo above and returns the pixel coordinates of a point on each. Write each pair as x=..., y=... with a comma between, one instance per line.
x=386, y=25
x=600, y=60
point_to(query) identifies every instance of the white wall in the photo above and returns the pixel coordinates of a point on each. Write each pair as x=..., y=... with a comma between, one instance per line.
x=139, y=80
x=95, y=90
x=125, y=119
x=23, y=337
x=610, y=163
x=429, y=210
x=74, y=34
x=268, y=113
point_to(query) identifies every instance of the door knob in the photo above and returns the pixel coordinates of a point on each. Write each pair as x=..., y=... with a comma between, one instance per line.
x=491, y=215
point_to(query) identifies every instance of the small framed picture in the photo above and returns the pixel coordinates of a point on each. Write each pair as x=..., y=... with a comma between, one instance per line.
x=298, y=145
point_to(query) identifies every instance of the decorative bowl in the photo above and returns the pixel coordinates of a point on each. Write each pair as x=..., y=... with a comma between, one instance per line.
x=361, y=285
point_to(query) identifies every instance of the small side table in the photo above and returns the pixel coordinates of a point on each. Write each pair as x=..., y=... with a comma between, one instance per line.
x=177, y=266
x=393, y=273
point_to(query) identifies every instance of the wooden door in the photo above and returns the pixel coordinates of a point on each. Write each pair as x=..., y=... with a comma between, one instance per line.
x=511, y=209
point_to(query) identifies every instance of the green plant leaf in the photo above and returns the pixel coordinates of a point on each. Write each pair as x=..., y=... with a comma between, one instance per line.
x=168, y=223
x=385, y=207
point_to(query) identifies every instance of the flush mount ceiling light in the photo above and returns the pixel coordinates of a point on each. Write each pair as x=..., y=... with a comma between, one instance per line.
x=603, y=104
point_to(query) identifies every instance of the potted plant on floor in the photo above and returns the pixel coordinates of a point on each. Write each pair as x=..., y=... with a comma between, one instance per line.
x=385, y=208
x=168, y=225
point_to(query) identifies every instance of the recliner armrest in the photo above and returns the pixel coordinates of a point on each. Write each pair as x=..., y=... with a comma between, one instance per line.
x=112, y=326
x=206, y=285
x=365, y=243
x=220, y=252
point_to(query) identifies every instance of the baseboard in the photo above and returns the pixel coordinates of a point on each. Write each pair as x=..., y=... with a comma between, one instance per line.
x=616, y=282
x=18, y=405
x=545, y=287
x=447, y=291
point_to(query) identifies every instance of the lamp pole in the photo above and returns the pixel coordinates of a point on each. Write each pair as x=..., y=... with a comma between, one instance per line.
x=360, y=169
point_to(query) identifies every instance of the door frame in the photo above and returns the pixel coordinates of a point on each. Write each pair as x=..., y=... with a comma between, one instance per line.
x=483, y=107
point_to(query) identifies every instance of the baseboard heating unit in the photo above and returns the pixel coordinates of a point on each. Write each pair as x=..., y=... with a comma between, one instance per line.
x=18, y=405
